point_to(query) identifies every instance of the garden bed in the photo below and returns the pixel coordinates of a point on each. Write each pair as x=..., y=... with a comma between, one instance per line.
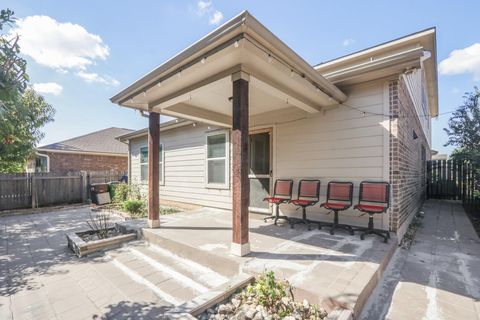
x=86, y=242
x=265, y=299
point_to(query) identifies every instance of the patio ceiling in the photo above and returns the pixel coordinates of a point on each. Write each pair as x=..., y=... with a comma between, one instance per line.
x=196, y=84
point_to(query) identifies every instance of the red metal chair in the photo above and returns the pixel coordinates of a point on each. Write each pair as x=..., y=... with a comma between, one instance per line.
x=308, y=195
x=339, y=198
x=282, y=193
x=374, y=198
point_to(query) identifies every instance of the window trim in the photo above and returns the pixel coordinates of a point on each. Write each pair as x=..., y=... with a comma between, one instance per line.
x=225, y=185
x=161, y=161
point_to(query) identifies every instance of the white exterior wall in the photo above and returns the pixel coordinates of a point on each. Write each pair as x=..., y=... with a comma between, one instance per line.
x=184, y=168
x=339, y=144
x=336, y=144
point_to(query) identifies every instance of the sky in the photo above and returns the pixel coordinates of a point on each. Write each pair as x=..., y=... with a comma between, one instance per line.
x=80, y=53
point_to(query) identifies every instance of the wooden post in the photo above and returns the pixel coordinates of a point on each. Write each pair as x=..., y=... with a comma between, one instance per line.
x=33, y=188
x=240, y=183
x=153, y=170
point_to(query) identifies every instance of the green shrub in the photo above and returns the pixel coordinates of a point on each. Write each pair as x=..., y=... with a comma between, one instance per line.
x=133, y=206
x=121, y=192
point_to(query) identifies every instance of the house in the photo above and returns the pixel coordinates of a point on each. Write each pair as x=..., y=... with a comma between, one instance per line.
x=254, y=111
x=96, y=151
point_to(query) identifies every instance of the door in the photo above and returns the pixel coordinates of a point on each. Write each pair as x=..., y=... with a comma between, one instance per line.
x=260, y=175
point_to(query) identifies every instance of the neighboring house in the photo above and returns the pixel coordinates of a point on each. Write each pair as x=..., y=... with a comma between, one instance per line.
x=96, y=151
x=364, y=116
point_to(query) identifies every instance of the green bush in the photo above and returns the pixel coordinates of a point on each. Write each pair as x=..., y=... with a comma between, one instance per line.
x=133, y=206
x=121, y=192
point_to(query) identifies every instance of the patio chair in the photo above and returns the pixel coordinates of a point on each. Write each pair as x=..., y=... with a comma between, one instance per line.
x=339, y=198
x=374, y=198
x=308, y=195
x=282, y=193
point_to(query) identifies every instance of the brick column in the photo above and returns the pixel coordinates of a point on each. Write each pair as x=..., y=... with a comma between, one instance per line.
x=153, y=170
x=240, y=183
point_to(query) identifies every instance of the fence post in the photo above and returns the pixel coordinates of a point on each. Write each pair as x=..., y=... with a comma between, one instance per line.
x=33, y=187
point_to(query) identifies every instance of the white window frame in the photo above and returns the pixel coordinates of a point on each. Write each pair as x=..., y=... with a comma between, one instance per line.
x=161, y=162
x=143, y=163
x=225, y=185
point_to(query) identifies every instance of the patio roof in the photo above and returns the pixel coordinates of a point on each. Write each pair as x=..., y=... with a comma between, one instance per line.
x=196, y=84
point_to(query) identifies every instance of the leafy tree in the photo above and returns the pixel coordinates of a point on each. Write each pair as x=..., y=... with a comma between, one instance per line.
x=22, y=111
x=464, y=125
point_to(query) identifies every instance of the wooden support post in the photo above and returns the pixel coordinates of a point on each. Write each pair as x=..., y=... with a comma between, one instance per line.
x=33, y=188
x=240, y=183
x=153, y=170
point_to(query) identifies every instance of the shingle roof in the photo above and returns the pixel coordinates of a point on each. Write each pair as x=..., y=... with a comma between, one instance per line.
x=102, y=141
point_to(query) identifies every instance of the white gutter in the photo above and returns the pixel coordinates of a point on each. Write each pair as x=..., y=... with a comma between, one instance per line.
x=83, y=152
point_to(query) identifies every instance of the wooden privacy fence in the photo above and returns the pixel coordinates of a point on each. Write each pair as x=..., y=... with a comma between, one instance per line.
x=454, y=180
x=33, y=190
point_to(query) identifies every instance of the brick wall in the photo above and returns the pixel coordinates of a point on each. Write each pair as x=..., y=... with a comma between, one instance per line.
x=407, y=165
x=61, y=162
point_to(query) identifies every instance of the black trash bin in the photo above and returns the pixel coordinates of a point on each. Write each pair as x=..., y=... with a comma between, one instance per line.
x=99, y=193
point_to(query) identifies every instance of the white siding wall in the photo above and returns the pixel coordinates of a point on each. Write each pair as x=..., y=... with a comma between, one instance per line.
x=184, y=168
x=336, y=144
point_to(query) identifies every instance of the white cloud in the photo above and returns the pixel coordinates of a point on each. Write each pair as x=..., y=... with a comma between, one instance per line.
x=48, y=87
x=466, y=60
x=206, y=8
x=59, y=45
x=348, y=42
x=92, y=77
x=216, y=17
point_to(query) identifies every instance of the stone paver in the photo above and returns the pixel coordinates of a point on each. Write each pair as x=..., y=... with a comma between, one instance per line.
x=40, y=278
x=438, y=277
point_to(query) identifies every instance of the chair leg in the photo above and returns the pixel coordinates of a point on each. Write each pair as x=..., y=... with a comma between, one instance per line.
x=371, y=230
x=304, y=220
x=277, y=216
x=336, y=225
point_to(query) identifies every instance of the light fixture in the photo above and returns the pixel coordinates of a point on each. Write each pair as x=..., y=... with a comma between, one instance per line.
x=144, y=93
x=235, y=44
x=317, y=88
x=176, y=120
x=194, y=124
x=159, y=84
x=208, y=128
x=204, y=59
x=292, y=73
x=269, y=58
x=179, y=74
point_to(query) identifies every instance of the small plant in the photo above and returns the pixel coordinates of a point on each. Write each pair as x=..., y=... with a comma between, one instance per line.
x=122, y=192
x=168, y=210
x=100, y=222
x=268, y=291
x=134, y=207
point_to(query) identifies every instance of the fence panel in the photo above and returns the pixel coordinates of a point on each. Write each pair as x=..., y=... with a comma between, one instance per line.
x=454, y=180
x=32, y=190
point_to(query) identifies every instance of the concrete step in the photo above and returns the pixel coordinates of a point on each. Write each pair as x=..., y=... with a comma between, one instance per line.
x=172, y=278
x=221, y=265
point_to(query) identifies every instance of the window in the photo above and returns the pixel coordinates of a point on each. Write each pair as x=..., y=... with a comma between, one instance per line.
x=217, y=160
x=144, y=164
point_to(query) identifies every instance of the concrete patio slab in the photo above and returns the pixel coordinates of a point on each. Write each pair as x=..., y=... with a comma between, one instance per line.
x=438, y=277
x=336, y=271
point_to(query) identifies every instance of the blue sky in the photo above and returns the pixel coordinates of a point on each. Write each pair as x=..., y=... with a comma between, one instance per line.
x=92, y=49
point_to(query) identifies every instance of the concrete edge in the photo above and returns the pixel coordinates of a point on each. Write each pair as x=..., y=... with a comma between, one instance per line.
x=208, y=299
x=373, y=282
x=20, y=212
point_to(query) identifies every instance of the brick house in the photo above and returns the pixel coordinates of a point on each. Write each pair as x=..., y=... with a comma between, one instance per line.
x=96, y=151
x=254, y=111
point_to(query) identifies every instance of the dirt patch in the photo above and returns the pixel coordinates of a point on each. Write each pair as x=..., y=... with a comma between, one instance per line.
x=473, y=214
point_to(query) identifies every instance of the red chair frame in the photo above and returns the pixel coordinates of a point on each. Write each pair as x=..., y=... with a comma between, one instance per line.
x=279, y=197
x=305, y=198
x=339, y=202
x=374, y=202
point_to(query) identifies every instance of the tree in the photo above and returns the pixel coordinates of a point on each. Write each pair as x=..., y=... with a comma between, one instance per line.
x=464, y=125
x=22, y=111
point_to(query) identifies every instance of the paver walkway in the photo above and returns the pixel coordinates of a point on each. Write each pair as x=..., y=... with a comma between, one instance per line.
x=40, y=278
x=438, y=277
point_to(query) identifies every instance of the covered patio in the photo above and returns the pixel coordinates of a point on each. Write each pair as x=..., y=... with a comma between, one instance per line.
x=237, y=77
